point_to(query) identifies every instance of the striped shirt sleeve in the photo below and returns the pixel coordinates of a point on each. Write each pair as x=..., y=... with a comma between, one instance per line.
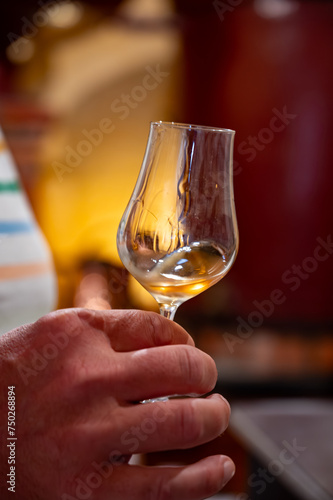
x=27, y=277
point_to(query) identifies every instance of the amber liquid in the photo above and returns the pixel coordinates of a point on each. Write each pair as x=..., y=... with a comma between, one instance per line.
x=186, y=272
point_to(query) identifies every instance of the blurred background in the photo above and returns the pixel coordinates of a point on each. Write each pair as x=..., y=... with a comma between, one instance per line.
x=79, y=83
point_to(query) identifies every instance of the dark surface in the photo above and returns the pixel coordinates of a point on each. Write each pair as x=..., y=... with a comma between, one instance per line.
x=292, y=443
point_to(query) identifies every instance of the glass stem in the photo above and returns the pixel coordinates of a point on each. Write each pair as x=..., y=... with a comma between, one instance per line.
x=168, y=311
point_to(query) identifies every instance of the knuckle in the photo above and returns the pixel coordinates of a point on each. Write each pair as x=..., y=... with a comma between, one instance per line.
x=65, y=319
x=189, y=424
x=193, y=364
x=161, y=490
x=158, y=329
x=210, y=483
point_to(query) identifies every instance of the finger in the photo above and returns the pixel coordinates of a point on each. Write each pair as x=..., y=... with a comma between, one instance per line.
x=162, y=371
x=174, y=424
x=132, y=482
x=130, y=330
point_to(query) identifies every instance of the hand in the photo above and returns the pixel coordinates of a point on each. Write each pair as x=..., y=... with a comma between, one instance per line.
x=78, y=377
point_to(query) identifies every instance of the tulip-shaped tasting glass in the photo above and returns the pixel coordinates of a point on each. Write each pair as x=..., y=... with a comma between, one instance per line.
x=178, y=235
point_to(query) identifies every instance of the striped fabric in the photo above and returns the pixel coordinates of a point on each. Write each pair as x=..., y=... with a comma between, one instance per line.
x=27, y=279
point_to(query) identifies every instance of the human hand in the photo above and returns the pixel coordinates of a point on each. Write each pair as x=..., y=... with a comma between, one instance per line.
x=78, y=377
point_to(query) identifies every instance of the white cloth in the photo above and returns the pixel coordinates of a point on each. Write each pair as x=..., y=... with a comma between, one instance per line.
x=27, y=278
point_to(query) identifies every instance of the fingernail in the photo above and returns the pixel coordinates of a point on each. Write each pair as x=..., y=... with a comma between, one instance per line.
x=219, y=396
x=229, y=470
x=226, y=402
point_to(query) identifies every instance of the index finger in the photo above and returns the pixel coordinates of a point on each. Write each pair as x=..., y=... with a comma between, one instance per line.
x=130, y=330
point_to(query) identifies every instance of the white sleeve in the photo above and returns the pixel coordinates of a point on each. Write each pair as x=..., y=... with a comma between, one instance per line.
x=27, y=278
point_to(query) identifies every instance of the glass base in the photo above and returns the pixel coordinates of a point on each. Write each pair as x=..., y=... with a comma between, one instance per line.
x=154, y=400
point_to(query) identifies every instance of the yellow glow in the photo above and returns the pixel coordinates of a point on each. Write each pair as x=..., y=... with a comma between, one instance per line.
x=2, y=146
x=67, y=15
x=20, y=51
x=198, y=286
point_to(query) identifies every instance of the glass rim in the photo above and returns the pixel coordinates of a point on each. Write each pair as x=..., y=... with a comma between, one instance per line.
x=189, y=126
